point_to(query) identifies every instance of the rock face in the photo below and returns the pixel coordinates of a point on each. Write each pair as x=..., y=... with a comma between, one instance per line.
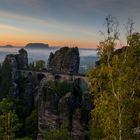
x=22, y=59
x=47, y=108
x=71, y=109
x=65, y=60
x=11, y=65
x=17, y=61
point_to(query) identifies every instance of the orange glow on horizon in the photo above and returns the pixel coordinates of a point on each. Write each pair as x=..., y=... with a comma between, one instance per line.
x=21, y=44
x=22, y=41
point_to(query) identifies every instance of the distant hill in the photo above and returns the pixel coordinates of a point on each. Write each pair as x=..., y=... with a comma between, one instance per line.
x=8, y=46
x=37, y=46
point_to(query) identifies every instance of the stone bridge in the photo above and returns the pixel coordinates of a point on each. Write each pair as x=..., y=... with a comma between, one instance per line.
x=52, y=76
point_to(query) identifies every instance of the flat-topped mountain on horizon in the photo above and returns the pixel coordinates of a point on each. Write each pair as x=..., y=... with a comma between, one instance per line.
x=36, y=46
x=7, y=46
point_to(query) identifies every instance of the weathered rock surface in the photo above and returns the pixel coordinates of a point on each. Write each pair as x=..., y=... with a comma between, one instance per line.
x=22, y=59
x=65, y=60
x=47, y=108
x=18, y=87
x=17, y=61
x=72, y=109
x=12, y=66
x=56, y=105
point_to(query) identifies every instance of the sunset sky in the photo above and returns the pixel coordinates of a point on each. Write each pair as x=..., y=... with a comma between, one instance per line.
x=62, y=22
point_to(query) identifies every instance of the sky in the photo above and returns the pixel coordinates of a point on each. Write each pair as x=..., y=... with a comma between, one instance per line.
x=62, y=22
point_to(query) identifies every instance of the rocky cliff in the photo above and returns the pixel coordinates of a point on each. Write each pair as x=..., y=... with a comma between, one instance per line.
x=59, y=99
x=70, y=107
x=22, y=59
x=17, y=61
x=13, y=85
x=65, y=60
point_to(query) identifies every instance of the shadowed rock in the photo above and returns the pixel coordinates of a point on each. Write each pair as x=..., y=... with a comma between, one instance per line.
x=71, y=110
x=65, y=60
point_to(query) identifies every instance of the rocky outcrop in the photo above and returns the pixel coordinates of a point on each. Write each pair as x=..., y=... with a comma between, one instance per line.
x=17, y=61
x=22, y=59
x=47, y=108
x=65, y=60
x=11, y=66
x=71, y=109
x=64, y=108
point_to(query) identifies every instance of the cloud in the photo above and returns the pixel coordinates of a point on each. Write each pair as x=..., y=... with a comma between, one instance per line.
x=47, y=23
x=73, y=19
x=9, y=27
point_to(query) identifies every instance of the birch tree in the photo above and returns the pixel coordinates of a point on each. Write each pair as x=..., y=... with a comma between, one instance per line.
x=115, y=89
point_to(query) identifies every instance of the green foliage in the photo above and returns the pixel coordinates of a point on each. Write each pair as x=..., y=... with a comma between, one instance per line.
x=105, y=50
x=61, y=87
x=57, y=134
x=31, y=125
x=31, y=65
x=9, y=122
x=115, y=88
x=25, y=138
x=40, y=64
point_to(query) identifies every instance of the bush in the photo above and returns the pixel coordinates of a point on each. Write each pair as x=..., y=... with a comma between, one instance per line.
x=31, y=125
x=61, y=87
x=39, y=64
x=57, y=134
x=25, y=138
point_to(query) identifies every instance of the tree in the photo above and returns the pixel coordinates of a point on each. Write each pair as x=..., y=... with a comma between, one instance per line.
x=57, y=134
x=40, y=64
x=115, y=87
x=9, y=122
x=25, y=138
x=31, y=125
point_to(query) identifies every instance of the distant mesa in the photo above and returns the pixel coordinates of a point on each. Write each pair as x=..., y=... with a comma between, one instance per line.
x=8, y=46
x=37, y=46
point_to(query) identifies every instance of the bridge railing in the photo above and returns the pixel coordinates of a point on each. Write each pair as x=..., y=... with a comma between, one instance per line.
x=53, y=73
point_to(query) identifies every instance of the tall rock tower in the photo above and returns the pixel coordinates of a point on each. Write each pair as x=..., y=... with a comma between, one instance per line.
x=65, y=60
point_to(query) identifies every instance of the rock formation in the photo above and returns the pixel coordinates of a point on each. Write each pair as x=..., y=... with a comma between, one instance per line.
x=60, y=99
x=17, y=61
x=14, y=62
x=11, y=66
x=22, y=59
x=65, y=60
x=72, y=109
x=11, y=61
